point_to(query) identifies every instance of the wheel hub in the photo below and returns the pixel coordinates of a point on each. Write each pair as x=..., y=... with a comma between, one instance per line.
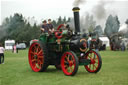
x=70, y=63
x=92, y=61
x=35, y=57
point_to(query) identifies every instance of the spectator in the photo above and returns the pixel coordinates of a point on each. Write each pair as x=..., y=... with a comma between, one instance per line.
x=98, y=44
x=1, y=54
x=123, y=47
x=14, y=49
x=17, y=48
x=89, y=40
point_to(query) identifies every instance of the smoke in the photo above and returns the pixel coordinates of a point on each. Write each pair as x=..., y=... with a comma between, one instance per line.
x=123, y=28
x=76, y=3
x=97, y=15
x=87, y=23
x=126, y=21
x=99, y=10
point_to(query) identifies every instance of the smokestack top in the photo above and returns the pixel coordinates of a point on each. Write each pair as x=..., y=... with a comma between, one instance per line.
x=76, y=19
x=76, y=9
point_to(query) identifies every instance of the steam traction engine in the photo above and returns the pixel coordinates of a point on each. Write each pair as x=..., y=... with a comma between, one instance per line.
x=64, y=49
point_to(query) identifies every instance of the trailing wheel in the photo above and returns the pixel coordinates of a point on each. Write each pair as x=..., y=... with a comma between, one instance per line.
x=38, y=57
x=95, y=62
x=69, y=63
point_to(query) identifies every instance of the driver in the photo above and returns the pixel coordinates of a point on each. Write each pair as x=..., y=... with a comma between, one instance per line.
x=44, y=27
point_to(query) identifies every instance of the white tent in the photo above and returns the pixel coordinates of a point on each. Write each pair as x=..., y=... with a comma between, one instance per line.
x=104, y=40
x=9, y=44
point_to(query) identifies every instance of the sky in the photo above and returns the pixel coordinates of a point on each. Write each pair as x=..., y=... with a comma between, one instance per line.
x=44, y=9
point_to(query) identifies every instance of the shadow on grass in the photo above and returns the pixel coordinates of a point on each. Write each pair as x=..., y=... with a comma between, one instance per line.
x=50, y=70
x=59, y=73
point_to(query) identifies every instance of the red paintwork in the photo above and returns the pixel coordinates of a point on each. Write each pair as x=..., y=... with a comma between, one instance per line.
x=68, y=58
x=93, y=66
x=35, y=57
x=60, y=26
x=58, y=32
x=84, y=44
x=93, y=40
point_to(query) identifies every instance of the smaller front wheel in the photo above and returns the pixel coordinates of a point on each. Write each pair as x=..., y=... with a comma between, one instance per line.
x=95, y=61
x=69, y=63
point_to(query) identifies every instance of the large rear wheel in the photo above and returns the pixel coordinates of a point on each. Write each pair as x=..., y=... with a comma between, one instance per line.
x=38, y=57
x=96, y=62
x=69, y=63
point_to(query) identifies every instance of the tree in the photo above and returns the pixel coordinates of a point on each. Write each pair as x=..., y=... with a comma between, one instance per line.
x=98, y=30
x=111, y=30
x=126, y=35
x=54, y=23
x=13, y=25
x=3, y=28
x=59, y=21
x=112, y=25
x=64, y=20
x=21, y=29
x=69, y=19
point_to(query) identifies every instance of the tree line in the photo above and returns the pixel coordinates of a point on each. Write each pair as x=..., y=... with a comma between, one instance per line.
x=19, y=28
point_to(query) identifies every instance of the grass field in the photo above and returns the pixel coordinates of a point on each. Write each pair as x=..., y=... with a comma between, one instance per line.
x=16, y=71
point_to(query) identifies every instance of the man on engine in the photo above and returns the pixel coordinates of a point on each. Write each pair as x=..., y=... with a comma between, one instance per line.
x=50, y=26
x=44, y=27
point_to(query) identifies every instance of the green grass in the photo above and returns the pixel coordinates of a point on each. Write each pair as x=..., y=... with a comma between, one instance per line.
x=16, y=71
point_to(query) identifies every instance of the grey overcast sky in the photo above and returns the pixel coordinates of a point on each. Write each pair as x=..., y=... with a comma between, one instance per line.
x=44, y=9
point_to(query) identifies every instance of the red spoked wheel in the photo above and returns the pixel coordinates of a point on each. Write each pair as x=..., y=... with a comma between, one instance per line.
x=58, y=34
x=69, y=63
x=96, y=62
x=37, y=57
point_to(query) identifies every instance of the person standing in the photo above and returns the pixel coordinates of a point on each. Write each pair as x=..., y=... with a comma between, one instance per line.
x=1, y=54
x=89, y=40
x=50, y=26
x=98, y=44
x=14, y=49
x=44, y=27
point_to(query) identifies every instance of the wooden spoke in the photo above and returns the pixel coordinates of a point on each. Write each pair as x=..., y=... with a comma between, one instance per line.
x=71, y=68
x=32, y=52
x=94, y=65
x=65, y=61
x=67, y=58
x=40, y=56
x=35, y=66
x=89, y=65
x=40, y=52
x=34, y=60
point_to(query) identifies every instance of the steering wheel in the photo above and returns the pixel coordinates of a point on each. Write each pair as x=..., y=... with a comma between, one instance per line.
x=58, y=33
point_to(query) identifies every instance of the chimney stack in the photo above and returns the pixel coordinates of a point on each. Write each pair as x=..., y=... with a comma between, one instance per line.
x=76, y=19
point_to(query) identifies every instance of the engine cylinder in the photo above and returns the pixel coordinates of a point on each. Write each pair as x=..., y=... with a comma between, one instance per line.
x=79, y=44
